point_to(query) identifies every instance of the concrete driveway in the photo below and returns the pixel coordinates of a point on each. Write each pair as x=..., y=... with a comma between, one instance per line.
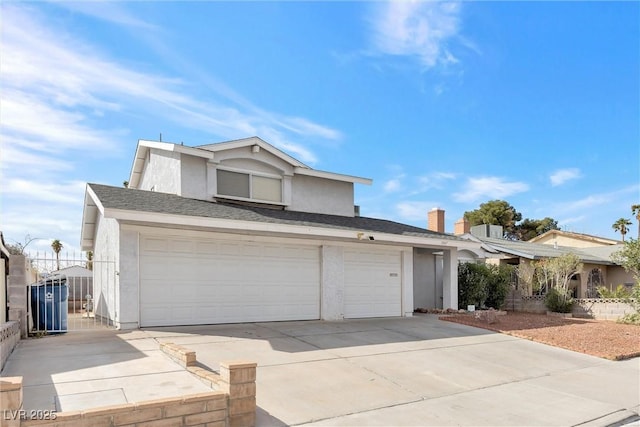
x=404, y=371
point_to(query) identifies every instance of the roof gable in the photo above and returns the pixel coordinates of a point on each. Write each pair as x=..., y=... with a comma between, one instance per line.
x=551, y=234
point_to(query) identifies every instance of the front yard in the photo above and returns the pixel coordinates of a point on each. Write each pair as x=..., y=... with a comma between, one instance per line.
x=607, y=339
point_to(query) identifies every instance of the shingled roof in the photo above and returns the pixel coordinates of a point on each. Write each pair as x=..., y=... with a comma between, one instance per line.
x=537, y=250
x=155, y=202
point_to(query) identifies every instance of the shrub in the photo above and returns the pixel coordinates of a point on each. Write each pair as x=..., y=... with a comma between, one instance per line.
x=634, y=300
x=498, y=284
x=483, y=285
x=471, y=285
x=558, y=300
x=620, y=292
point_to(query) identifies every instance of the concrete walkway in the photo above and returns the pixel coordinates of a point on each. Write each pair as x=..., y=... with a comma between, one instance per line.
x=410, y=371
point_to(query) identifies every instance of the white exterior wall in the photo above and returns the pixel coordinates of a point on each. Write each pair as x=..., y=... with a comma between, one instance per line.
x=319, y=195
x=129, y=290
x=162, y=172
x=407, y=282
x=106, y=251
x=332, y=282
x=450, y=279
x=193, y=180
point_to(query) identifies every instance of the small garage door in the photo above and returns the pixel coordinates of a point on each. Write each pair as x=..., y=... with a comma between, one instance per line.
x=191, y=281
x=372, y=283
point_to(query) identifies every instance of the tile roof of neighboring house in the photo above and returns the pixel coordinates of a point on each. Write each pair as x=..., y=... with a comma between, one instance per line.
x=537, y=250
x=155, y=202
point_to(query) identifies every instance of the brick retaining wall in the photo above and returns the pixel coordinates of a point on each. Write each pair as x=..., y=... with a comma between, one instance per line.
x=9, y=337
x=234, y=405
x=587, y=308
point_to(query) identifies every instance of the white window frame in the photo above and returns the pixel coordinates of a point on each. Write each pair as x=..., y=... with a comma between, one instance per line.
x=251, y=175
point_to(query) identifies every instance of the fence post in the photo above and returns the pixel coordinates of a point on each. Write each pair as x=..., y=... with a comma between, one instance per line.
x=11, y=401
x=239, y=382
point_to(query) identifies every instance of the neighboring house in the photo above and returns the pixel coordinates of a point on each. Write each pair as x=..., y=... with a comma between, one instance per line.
x=79, y=280
x=241, y=232
x=594, y=253
x=573, y=240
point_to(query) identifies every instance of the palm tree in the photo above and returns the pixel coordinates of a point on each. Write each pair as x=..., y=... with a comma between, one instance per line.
x=635, y=209
x=621, y=226
x=56, y=245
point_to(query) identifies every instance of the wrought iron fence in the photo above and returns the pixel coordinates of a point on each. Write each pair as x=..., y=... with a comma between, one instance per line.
x=69, y=293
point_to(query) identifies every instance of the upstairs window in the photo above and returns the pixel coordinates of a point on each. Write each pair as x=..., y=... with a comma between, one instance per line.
x=250, y=186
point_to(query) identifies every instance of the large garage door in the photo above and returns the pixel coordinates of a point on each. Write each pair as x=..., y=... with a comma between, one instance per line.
x=372, y=283
x=191, y=281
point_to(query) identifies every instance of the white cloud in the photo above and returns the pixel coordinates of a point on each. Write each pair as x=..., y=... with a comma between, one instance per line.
x=81, y=84
x=561, y=176
x=44, y=192
x=435, y=180
x=417, y=29
x=392, y=185
x=489, y=187
x=414, y=211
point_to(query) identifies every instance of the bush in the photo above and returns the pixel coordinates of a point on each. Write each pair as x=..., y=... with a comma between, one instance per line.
x=485, y=286
x=620, y=292
x=634, y=300
x=558, y=301
x=471, y=285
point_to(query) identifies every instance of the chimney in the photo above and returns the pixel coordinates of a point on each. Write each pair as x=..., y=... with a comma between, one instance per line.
x=435, y=220
x=462, y=226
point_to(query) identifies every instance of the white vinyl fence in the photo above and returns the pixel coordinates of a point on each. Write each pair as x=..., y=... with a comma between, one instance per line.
x=62, y=296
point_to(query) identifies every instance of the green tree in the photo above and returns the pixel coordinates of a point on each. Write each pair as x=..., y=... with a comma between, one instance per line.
x=629, y=257
x=555, y=275
x=635, y=209
x=530, y=228
x=57, y=246
x=496, y=212
x=622, y=225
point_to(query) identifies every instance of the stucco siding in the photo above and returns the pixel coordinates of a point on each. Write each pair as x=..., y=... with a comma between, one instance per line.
x=568, y=241
x=193, y=177
x=105, y=255
x=162, y=172
x=245, y=158
x=311, y=194
x=129, y=289
x=616, y=275
x=332, y=307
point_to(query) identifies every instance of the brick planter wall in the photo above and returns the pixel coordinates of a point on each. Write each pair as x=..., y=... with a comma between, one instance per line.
x=233, y=406
x=9, y=337
x=586, y=308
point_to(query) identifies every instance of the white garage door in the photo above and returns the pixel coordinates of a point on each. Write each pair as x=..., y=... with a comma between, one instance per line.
x=190, y=281
x=372, y=283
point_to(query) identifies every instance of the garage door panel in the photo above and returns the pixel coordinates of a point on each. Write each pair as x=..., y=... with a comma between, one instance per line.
x=218, y=281
x=373, y=286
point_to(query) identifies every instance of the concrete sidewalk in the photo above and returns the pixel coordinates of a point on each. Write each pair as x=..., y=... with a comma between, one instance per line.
x=409, y=371
x=85, y=369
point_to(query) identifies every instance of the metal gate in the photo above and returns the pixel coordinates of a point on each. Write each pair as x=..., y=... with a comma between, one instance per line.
x=63, y=293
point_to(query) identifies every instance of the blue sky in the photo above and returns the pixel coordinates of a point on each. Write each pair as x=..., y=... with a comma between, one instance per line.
x=441, y=104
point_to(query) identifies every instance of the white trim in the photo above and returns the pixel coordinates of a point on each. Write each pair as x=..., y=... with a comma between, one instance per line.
x=302, y=231
x=248, y=142
x=333, y=176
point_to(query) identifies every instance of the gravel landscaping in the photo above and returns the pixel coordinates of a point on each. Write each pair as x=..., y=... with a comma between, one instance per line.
x=610, y=340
